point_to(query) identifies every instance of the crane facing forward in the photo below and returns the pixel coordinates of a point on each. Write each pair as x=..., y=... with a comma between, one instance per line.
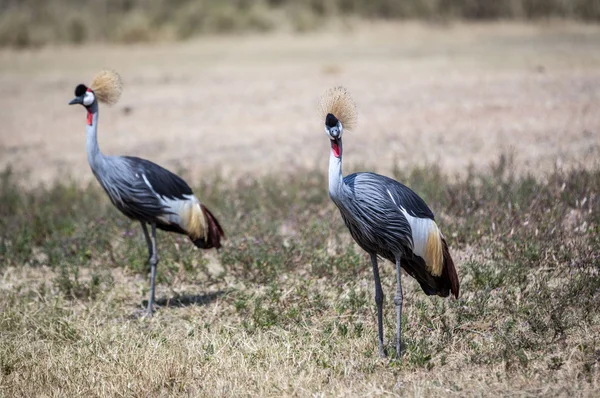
x=386, y=219
x=140, y=189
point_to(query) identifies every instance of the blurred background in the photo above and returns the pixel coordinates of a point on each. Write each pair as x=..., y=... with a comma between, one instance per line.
x=26, y=23
x=232, y=85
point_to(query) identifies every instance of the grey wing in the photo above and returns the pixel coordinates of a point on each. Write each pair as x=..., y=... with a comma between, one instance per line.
x=382, y=226
x=130, y=191
x=405, y=197
x=161, y=180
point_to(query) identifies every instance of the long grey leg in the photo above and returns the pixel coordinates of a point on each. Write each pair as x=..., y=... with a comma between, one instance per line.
x=151, y=241
x=398, y=302
x=379, y=302
x=148, y=240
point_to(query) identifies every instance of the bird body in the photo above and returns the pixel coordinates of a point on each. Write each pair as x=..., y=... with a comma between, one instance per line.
x=389, y=219
x=147, y=192
x=140, y=189
x=386, y=219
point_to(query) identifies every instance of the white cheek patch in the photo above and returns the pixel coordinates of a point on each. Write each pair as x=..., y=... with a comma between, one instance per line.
x=88, y=99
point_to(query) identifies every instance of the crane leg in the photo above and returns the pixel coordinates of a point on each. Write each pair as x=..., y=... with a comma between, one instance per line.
x=379, y=302
x=151, y=241
x=398, y=302
x=148, y=240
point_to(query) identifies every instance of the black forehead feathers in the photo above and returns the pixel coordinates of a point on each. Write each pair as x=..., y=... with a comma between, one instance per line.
x=80, y=90
x=330, y=120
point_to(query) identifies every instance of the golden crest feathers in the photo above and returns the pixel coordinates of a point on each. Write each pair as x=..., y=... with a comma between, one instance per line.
x=107, y=86
x=339, y=103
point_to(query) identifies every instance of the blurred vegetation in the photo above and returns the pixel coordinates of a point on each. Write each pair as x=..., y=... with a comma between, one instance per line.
x=30, y=23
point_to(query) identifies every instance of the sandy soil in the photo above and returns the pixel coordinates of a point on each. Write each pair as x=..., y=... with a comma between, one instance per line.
x=451, y=95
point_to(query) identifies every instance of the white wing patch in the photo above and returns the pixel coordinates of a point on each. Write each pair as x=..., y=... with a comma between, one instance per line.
x=186, y=213
x=427, y=242
x=420, y=232
x=426, y=239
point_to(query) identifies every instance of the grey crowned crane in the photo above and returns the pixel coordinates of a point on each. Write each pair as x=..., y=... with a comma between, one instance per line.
x=386, y=219
x=140, y=189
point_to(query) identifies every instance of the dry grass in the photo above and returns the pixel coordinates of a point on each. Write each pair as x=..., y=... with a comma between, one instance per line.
x=287, y=307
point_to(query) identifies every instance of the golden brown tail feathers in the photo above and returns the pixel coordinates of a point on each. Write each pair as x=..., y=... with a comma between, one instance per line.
x=449, y=272
x=215, y=232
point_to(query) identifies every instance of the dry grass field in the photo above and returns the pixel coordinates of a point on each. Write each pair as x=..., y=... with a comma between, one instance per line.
x=496, y=126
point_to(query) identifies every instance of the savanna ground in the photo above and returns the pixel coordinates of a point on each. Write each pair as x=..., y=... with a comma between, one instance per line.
x=496, y=126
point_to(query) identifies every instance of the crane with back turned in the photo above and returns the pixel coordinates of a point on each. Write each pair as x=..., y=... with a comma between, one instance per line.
x=386, y=219
x=140, y=189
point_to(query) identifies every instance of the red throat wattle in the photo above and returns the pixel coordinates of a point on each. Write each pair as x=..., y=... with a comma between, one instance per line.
x=335, y=147
x=89, y=115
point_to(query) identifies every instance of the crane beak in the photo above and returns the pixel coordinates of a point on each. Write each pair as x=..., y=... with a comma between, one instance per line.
x=76, y=100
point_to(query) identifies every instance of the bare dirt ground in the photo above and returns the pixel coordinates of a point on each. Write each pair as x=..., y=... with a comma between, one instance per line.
x=452, y=95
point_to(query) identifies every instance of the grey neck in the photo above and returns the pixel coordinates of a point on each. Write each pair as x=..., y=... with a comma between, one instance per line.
x=336, y=180
x=95, y=157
